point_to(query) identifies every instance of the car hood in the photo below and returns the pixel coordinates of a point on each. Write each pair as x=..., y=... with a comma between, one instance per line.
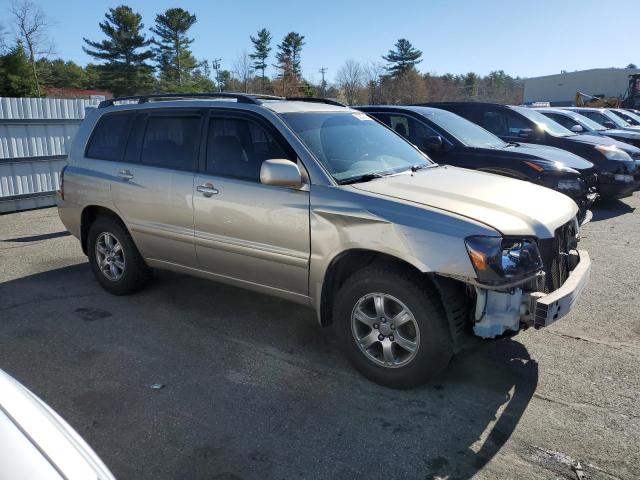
x=593, y=140
x=512, y=207
x=616, y=132
x=553, y=154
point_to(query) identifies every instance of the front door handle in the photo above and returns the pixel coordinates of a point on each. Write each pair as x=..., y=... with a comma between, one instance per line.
x=125, y=174
x=207, y=189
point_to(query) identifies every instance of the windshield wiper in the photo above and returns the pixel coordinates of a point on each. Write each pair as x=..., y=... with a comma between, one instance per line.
x=419, y=166
x=367, y=177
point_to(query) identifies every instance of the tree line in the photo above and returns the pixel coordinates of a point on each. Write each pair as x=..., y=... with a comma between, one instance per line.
x=130, y=60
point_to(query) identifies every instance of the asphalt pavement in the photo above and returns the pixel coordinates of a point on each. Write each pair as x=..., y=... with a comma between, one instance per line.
x=190, y=379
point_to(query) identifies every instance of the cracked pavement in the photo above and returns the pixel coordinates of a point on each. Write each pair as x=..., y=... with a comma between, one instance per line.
x=254, y=389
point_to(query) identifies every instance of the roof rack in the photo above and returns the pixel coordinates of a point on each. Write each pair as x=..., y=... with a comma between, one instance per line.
x=328, y=101
x=239, y=97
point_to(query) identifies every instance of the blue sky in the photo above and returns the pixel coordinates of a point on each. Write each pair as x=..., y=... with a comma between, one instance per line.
x=525, y=38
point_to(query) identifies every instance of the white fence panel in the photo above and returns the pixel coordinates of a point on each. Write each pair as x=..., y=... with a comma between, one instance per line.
x=35, y=137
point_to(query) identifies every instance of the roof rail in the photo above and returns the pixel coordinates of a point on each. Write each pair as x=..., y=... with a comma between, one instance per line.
x=239, y=97
x=328, y=101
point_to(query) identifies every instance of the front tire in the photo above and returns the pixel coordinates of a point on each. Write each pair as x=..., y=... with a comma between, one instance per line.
x=391, y=326
x=114, y=258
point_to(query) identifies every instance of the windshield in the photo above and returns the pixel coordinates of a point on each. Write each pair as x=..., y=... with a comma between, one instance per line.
x=585, y=121
x=352, y=145
x=628, y=117
x=545, y=123
x=468, y=133
x=615, y=119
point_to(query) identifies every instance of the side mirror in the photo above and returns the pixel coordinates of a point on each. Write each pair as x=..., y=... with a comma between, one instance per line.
x=525, y=133
x=609, y=124
x=280, y=173
x=433, y=142
x=577, y=129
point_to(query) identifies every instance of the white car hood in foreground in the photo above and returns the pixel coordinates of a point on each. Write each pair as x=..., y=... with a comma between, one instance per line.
x=37, y=443
x=512, y=207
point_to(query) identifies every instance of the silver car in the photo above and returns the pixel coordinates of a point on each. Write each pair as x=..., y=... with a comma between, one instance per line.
x=322, y=205
x=36, y=443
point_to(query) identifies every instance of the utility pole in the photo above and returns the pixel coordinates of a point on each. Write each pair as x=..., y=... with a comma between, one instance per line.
x=215, y=63
x=323, y=84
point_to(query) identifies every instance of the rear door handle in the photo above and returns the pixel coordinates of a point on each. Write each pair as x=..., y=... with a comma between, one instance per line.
x=207, y=189
x=125, y=174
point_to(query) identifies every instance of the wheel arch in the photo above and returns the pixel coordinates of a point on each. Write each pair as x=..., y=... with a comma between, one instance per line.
x=345, y=264
x=452, y=294
x=89, y=215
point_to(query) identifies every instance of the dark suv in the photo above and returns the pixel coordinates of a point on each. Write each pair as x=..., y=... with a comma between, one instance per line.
x=451, y=139
x=618, y=163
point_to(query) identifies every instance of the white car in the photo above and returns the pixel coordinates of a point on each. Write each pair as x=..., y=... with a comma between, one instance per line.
x=36, y=443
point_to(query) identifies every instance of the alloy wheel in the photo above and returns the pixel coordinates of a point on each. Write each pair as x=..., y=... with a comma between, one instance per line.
x=385, y=330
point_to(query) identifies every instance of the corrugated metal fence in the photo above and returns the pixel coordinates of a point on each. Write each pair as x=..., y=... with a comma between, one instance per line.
x=35, y=137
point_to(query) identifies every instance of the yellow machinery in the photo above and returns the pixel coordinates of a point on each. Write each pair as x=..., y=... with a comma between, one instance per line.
x=584, y=100
x=631, y=98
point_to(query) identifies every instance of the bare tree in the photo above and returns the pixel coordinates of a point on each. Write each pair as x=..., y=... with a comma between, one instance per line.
x=243, y=68
x=373, y=72
x=32, y=25
x=350, y=80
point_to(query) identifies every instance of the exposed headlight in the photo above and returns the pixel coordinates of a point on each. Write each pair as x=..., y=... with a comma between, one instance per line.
x=613, y=153
x=497, y=260
x=623, y=178
x=573, y=184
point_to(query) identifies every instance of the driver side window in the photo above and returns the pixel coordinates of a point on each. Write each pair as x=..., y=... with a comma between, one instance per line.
x=236, y=147
x=563, y=120
x=408, y=127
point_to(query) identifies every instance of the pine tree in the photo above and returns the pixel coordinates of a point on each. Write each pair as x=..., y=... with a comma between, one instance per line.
x=15, y=74
x=124, y=52
x=471, y=81
x=288, y=55
x=262, y=47
x=175, y=61
x=289, y=62
x=403, y=58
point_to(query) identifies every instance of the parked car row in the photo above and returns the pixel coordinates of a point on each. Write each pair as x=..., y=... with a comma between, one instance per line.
x=617, y=164
x=451, y=139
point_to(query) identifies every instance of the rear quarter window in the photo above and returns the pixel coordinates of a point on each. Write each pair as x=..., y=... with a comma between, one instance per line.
x=109, y=137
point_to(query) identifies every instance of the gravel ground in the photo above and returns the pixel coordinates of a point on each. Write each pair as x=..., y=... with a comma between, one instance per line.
x=254, y=389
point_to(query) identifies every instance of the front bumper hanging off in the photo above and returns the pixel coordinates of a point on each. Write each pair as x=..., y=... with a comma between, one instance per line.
x=509, y=310
x=545, y=308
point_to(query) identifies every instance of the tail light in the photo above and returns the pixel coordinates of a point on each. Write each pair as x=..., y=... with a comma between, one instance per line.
x=61, y=191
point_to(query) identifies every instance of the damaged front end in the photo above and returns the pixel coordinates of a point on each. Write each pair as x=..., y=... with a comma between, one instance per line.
x=525, y=282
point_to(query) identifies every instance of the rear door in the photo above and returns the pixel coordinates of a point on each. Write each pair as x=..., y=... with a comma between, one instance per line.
x=246, y=231
x=153, y=186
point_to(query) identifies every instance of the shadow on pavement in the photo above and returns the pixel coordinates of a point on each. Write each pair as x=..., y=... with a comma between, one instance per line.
x=606, y=209
x=253, y=387
x=36, y=238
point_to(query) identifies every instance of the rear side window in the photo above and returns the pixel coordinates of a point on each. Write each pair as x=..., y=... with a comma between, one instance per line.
x=171, y=142
x=134, y=144
x=236, y=147
x=109, y=137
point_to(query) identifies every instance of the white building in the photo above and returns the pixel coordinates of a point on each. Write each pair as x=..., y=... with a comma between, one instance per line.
x=561, y=89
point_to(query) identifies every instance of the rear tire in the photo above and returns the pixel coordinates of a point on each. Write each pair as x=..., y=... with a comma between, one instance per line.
x=391, y=326
x=114, y=258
